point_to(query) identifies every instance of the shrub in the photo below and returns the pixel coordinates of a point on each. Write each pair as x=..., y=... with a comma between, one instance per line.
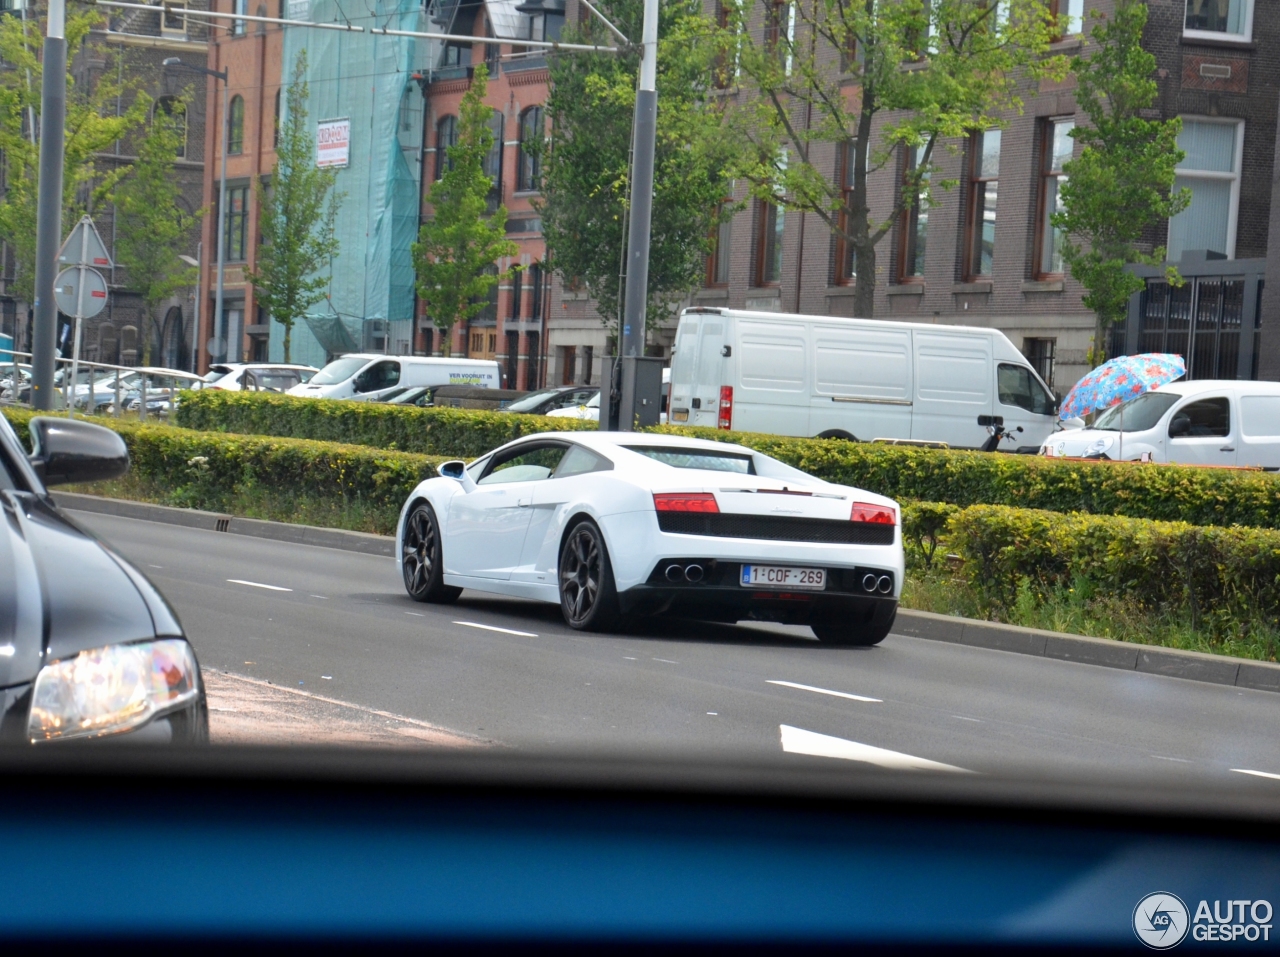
x=465, y=433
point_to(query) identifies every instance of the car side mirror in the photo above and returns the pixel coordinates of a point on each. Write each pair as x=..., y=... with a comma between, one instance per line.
x=1180, y=427
x=456, y=469
x=991, y=420
x=68, y=450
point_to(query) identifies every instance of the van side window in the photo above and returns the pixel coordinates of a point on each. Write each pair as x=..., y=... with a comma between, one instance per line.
x=1019, y=388
x=380, y=375
x=1207, y=417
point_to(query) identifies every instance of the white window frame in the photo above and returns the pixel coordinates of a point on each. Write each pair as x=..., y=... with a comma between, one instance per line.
x=1246, y=36
x=1233, y=214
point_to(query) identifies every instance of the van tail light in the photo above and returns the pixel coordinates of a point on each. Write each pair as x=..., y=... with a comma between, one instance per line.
x=873, y=514
x=725, y=418
x=685, y=502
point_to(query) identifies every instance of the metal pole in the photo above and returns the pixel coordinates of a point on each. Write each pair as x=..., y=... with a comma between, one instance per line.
x=222, y=209
x=75, y=348
x=645, y=134
x=195, y=335
x=53, y=107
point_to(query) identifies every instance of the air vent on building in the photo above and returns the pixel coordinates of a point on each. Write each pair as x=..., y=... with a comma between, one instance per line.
x=1215, y=71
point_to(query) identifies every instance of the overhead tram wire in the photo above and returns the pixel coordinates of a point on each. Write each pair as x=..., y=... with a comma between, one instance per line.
x=353, y=28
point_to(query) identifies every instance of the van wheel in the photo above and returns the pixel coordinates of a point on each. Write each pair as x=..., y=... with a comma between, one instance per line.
x=838, y=434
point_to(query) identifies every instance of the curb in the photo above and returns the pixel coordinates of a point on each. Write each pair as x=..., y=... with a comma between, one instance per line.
x=362, y=542
x=1103, y=652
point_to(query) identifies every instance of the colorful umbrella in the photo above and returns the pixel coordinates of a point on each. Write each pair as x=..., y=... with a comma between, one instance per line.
x=1119, y=380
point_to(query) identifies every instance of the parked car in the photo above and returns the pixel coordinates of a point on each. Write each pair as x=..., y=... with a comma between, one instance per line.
x=162, y=388
x=546, y=401
x=589, y=410
x=258, y=376
x=1203, y=422
x=90, y=647
x=607, y=524
x=369, y=377
x=853, y=378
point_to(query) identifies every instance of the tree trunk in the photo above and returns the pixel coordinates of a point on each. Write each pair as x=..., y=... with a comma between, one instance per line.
x=864, y=289
x=288, y=338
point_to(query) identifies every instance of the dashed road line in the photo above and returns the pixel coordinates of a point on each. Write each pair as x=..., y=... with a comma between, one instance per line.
x=1257, y=774
x=505, y=631
x=241, y=581
x=800, y=741
x=836, y=694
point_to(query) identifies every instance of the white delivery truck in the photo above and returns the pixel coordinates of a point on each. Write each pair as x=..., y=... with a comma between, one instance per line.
x=854, y=379
x=370, y=377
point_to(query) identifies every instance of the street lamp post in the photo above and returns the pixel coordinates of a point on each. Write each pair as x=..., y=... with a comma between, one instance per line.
x=195, y=335
x=174, y=62
x=53, y=111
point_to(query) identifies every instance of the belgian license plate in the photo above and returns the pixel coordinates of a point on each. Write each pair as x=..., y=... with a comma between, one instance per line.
x=680, y=415
x=783, y=576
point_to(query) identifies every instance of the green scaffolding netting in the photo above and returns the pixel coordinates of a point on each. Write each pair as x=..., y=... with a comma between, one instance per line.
x=367, y=79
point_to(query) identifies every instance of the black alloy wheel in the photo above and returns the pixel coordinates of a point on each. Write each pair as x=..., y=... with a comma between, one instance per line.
x=421, y=560
x=588, y=596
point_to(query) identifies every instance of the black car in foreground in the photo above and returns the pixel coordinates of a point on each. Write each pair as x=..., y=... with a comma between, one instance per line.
x=88, y=647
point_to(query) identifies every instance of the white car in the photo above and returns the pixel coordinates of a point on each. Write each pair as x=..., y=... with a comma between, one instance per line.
x=1203, y=422
x=590, y=410
x=614, y=524
x=258, y=376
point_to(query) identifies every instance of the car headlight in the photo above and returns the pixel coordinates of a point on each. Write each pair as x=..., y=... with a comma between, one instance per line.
x=112, y=689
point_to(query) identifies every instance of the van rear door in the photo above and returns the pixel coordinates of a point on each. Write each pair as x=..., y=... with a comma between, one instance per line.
x=684, y=369
x=704, y=397
x=953, y=386
x=861, y=382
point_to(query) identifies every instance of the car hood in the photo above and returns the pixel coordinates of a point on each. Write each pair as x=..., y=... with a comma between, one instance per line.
x=1079, y=443
x=58, y=581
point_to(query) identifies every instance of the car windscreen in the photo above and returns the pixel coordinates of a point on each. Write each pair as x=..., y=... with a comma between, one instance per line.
x=1137, y=415
x=531, y=401
x=339, y=370
x=712, y=460
x=216, y=373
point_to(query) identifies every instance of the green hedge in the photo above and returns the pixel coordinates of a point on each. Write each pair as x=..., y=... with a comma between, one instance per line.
x=213, y=470
x=1225, y=580
x=465, y=433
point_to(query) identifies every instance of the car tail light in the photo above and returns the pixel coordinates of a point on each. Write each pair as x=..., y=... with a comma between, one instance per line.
x=873, y=514
x=685, y=502
x=725, y=418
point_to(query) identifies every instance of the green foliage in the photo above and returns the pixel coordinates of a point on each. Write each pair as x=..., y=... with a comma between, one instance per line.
x=297, y=217
x=153, y=226
x=586, y=164
x=1122, y=183
x=923, y=525
x=1227, y=580
x=458, y=246
x=213, y=470
x=925, y=73
x=91, y=128
x=461, y=433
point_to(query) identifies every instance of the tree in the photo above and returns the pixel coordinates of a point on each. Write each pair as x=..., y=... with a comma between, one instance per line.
x=873, y=79
x=458, y=247
x=90, y=128
x=296, y=218
x=586, y=162
x=152, y=226
x=1121, y=185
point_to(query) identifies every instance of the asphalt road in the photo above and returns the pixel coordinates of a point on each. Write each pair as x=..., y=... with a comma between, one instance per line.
x=339, y=623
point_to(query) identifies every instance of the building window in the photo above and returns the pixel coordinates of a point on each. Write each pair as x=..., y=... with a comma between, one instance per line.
x=530, y=142
x=846, y=255
x=238, y=26
x=517, y=294
x=780, y=31
x=1211, y=170
x=446, y=136
x=537, y=291
x=914, y=223
x=1070, y=17
x=174, y=108
x=1220, y=19
x=568, y=359
x=1055, y=150
x=984, y=178
x=718, y=257
x=235, y=131
x=1039, y=353
x=455, y=55
x=769, y=233
x=237, y=223
x=492, y=52
x=493, y=162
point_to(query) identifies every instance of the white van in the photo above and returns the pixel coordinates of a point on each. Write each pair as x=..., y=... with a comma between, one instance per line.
x=370, y=377
x=853, y=379
x=1206, y=422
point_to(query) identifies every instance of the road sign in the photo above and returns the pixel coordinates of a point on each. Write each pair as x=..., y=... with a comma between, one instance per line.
x=84, y=247
x=73, y=300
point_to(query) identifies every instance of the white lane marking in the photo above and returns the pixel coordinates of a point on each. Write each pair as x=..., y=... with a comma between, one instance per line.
x=625, y=658
x=838, y=694
x=416, y=614
x=155, y=566
x=505, y=631
x=241, y=581
x=714, y=714
x=325, y=597
x=667, y=661
x=960, y=717
x=7, y=651
x=800, y=741
x=1258, y=774
x=1162, y=757
x=327, y=677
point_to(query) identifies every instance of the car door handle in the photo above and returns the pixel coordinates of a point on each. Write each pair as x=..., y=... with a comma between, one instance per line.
x=524, y=502
x=1227, y=448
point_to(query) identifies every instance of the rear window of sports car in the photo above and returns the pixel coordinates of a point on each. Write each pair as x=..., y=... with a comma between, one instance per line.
x=708, y=459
